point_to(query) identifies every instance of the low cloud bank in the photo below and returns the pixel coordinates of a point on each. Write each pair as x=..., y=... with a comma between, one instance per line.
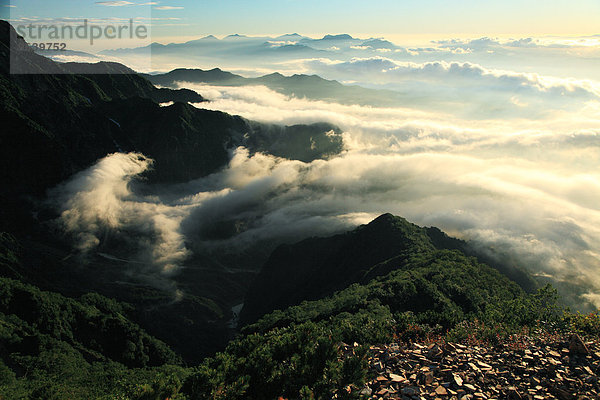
x=525, y=188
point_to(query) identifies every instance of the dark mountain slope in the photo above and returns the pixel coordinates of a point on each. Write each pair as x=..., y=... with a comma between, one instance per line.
x=54, y=125
x=57, y=124
x=188, y=143
x=51, y=127
x=318, y=267
x=300, y=351
x=55, y=347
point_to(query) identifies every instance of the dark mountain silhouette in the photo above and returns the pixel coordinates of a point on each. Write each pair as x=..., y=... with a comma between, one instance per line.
x=344, y=36
x=317, y=267
x=57, y=124
x=420, y=292
x=62, y=120
x=304, y=86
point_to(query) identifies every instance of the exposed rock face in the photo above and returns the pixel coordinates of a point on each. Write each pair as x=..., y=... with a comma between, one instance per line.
x=530, y=368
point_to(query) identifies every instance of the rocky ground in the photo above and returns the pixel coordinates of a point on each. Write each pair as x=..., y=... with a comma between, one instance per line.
x=549, y=367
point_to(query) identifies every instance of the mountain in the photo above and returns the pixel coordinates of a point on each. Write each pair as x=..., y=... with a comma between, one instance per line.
x=379, y=44
x=67, y=120
x=386, y=282
x=88, y=348
x=344, y=36
x=193, y=75
x=303, y=86
x=51, y=118
x=261, y=53
x=53, y=346
x=55, y=125
x=292, y=37
x=318, y=267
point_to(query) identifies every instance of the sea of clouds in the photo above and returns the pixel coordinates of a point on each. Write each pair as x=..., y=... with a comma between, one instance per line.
x=507, y=160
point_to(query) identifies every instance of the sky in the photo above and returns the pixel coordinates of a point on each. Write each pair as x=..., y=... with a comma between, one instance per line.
x=178, y=20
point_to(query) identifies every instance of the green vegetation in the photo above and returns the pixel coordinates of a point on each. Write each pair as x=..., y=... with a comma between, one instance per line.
x=54, y=347
x=406, y=287
x=435, y=293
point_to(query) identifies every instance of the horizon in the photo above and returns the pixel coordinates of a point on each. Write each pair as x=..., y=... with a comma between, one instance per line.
x=176, y=21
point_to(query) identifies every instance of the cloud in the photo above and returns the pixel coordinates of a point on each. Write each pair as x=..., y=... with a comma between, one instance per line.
x=526, y=189
x=123, y=3
x=387, y=70
x=462, y=88
x=504, y=157
x=98, y=206
x=168, y=8
x=120, y=3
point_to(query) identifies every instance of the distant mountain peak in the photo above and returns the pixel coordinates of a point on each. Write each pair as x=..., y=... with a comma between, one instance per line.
x=343, y=36
x=274, y=75
x=289, y=36
x=236, y=36
x=378, y=43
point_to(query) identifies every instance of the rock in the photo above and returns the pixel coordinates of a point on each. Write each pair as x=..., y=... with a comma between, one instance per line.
x=534, y=372
x=470, y=387
x=434, y=352
x=427, y=378
x=441, y=391
x=554, y=354
x=473, y=367
x=366, y=391
x=410, y=391
x=577, y=346
x=457, y=379
x=513, y=394
x=449, y=348
x=483, y=365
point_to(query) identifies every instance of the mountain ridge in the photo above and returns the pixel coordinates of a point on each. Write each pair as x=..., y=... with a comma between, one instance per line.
x=315, y=268
x=312, y=87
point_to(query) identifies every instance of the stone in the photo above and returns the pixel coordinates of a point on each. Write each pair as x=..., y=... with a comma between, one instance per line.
x=553, y=353
x=457, y=379
x=470, y=387
x=366, y=391
x=428, y=378
x=577, y=346
x=441, y=391
x=410, y=391
x=542, y=367
x=434, y=352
